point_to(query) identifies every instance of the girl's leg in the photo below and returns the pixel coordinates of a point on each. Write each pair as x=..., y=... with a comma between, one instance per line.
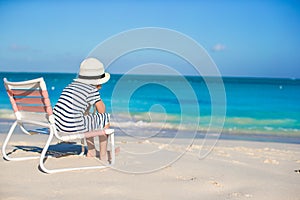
x=103, y=147
x=91, y=147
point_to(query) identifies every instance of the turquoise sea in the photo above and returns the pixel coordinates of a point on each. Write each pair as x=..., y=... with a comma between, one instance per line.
x=264, y=109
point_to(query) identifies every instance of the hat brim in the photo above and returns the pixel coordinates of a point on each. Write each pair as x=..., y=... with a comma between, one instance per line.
x=94, y=81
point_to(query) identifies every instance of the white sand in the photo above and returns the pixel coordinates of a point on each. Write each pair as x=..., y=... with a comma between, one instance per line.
x=233, y=170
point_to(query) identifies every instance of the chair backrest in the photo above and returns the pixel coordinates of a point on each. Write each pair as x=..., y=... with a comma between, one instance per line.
x=30, y=99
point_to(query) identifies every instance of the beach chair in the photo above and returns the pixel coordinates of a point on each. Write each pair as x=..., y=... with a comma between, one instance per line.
x=31, y=105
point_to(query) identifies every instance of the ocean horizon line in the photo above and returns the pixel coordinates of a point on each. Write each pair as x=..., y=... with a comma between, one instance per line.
x=166, y=75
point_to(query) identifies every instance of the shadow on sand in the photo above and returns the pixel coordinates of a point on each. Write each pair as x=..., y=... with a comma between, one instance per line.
x=57, y=150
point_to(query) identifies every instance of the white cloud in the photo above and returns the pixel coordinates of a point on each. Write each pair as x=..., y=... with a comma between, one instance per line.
x=219, y=47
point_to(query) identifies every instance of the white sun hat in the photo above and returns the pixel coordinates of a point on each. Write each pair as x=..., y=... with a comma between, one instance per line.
x=92, y=72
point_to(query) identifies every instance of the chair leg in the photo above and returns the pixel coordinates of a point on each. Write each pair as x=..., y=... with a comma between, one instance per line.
x=5, y=156
x=50, y=171
x=112, y=143
x=24, y=129
x=44, y=152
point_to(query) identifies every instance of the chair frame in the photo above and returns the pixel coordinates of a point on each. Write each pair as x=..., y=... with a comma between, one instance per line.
x=30, y=99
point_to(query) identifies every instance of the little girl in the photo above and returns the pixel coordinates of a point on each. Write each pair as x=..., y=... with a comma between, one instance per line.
x=71, y=110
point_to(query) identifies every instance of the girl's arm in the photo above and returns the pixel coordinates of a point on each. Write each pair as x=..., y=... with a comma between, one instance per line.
x=100, y=106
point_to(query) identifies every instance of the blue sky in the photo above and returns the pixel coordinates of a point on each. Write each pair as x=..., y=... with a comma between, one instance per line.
x=244, y=38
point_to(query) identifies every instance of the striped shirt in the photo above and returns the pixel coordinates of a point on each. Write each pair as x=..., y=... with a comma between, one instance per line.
x=73, y=102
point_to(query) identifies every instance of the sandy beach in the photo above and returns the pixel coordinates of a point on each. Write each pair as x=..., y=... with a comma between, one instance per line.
x=203, y=97
x=233, y=170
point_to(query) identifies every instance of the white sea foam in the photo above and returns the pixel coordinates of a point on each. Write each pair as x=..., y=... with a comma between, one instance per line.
x=7, y=114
